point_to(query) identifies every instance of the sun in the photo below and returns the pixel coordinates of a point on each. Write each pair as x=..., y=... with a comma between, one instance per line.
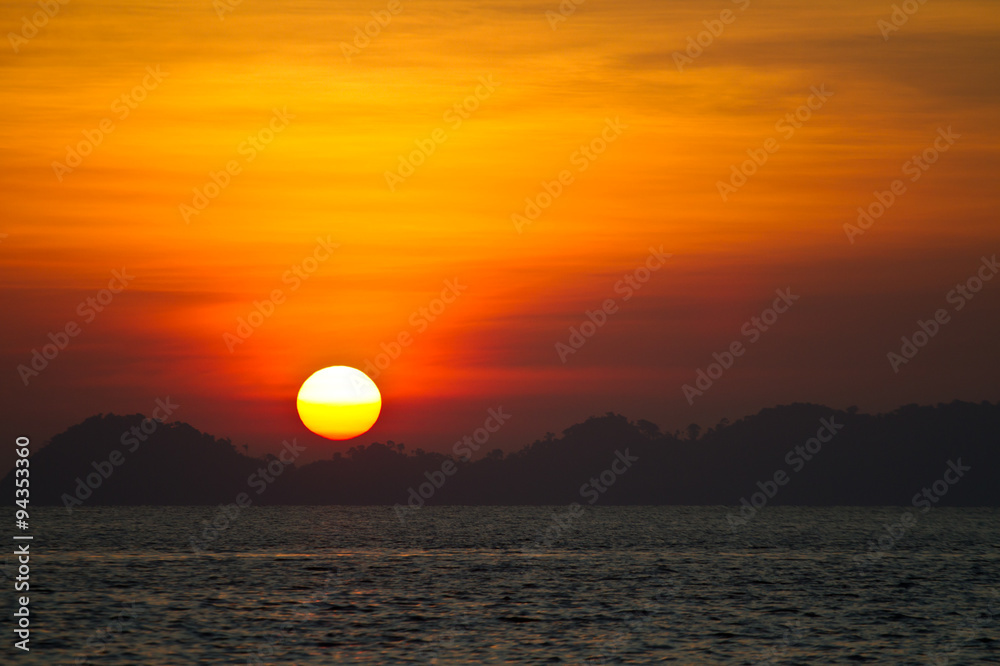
x=339, y=402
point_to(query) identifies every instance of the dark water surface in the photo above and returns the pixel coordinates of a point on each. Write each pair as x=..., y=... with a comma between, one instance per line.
x=463, y=585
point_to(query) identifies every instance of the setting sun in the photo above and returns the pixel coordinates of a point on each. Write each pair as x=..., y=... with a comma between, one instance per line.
x=339, y=402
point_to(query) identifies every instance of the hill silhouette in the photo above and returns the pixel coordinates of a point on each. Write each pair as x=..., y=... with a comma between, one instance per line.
x=843, y=458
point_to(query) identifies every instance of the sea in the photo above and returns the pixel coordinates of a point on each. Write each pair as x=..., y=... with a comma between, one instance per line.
x=509, y=585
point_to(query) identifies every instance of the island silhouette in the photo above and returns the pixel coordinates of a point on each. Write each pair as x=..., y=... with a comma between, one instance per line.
x=798, y=454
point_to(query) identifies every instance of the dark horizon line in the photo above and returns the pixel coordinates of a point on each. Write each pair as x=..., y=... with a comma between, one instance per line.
x=853, y=410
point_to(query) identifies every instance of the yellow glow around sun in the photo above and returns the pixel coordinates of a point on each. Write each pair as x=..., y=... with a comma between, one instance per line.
x=339, y=402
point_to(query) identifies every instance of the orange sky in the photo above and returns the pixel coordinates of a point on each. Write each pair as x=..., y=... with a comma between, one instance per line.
x=341, y=124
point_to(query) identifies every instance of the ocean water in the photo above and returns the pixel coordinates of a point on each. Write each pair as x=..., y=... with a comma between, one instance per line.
x=529, y=585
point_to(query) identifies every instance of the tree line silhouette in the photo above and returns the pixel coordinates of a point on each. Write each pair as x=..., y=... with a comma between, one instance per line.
x=880, y=459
